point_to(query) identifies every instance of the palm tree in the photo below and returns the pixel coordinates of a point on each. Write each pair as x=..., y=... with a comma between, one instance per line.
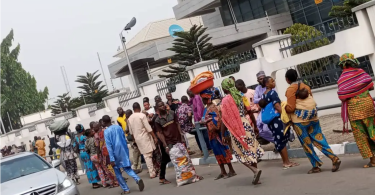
x=62, y=104
x=93, y=91
x=192, y=47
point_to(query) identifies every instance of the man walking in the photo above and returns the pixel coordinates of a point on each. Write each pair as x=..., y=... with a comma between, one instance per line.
x=137, y=164
x=143, y=135
x=119, y=154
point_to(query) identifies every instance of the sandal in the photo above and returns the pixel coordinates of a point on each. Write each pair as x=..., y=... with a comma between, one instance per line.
x=336, y=165
x=164, y=182
x=231, y=174
x=220, y=176
x=314, y=170
x=369, y=165
x=292, y=164
x=257, y=177
x=125, y=192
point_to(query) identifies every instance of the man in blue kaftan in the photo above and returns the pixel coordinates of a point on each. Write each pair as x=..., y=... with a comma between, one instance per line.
x=119, y=154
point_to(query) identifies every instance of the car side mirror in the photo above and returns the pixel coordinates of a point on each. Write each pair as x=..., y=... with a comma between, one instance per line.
x=56, y=163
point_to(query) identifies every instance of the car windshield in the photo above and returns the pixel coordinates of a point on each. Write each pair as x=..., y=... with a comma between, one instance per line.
x=19, y=167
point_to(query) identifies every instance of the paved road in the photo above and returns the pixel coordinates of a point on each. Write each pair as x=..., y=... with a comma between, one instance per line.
x=351, y=179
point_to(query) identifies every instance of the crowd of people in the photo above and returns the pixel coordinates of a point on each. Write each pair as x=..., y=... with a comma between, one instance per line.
x=237, y=122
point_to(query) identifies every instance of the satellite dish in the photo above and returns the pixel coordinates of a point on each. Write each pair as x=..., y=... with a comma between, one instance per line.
x=130, y=24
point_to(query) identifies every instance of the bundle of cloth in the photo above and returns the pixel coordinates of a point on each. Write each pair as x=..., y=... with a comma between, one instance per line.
x=185, y=171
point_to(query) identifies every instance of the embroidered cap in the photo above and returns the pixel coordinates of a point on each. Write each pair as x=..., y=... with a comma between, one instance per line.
x=261, y=73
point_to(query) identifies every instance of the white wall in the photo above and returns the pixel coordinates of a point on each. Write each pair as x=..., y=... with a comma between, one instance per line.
x=36, y=116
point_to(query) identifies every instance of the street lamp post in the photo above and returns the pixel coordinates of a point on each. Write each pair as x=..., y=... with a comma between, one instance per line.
x=123, y=40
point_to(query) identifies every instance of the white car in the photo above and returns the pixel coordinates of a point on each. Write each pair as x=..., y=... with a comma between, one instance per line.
x=27, y=173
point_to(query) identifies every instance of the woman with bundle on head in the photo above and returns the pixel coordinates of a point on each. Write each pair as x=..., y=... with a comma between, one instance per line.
x=64, y=141
x=357, y=105
x=212, y=119
x=302, y=109
x=246, y=148
x=91, y=172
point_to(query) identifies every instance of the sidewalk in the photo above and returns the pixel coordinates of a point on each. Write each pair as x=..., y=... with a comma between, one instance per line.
x=351, y=179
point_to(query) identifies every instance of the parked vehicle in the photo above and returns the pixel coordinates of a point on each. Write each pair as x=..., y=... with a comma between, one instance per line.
x=27, y=173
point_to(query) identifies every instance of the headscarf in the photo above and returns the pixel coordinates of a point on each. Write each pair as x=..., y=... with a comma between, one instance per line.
x=228, y=84
x=207, y=93
x=80, y=128
x=348, y=57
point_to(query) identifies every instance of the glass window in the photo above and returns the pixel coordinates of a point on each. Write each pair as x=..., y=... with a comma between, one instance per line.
x=225, y=13
x=19, y=167
x=312, y=15
x=299, y=17
x=294, y=5
x=237, y=10
x=324, y=9
x=281, y=6
x=307, y=3
x=269, y=7
x=247, y=13
x=257, y=8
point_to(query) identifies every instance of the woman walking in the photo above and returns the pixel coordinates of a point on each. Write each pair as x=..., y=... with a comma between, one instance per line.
x=246, y=148
x=357, y=105
x=212, y=118
x=274, y=122
x=91, y=172
x=64, y=142
x=301, y=107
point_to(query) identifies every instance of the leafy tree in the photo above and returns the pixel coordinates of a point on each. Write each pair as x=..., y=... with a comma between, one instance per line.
x=19, y=94
x=305, y=34
x=302, y=33
x=93, y=90
x=187, y=52
x=345, y=9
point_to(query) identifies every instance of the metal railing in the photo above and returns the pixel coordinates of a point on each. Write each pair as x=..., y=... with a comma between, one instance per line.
x=325, y=71
x=124, y=99
x=92, y=110
x=169, y=85
x=239, y=58
x=324, y=36
x=100, y=105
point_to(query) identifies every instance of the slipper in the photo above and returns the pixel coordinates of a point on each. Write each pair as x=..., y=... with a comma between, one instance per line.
x=96, y=187
x=318, y=170
x=337, y=165
x=290, y=165
x=164, y=182
x=257, y=177
x=125, y=192
x=141, y=185
x=231, y=174
x=220, y=176
x=369, y=165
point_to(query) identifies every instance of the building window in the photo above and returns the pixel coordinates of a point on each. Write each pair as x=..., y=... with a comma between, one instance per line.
x=307, y=12
x=246, y=10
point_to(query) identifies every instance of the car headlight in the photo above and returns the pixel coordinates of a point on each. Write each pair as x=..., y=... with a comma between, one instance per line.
x=65, y=184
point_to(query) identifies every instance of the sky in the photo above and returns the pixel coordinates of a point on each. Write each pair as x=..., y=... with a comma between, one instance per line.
x=70, y=33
